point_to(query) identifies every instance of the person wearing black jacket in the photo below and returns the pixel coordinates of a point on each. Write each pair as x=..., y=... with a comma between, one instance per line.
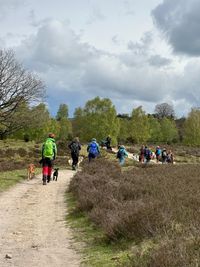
x=75, y=147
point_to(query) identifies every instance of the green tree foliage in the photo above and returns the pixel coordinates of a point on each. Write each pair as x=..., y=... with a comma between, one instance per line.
x=64, y=123
x=139, y=126
x=169, y=132
x=62, y=112
x=65, y=129
x=124, y=130
x=191, y=134
x=98, y=119
x=38, y=125
x=154, y=130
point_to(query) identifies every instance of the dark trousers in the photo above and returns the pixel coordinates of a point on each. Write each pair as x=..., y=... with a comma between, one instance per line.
x=91, y=156
x=74, y=159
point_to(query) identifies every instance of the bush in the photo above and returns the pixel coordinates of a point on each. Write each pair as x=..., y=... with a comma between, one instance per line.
x=159, y=202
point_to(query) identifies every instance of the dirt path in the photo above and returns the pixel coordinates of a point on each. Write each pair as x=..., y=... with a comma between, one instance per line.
x=32, y=225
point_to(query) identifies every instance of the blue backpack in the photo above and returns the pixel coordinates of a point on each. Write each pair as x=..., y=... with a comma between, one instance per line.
x=93, y=149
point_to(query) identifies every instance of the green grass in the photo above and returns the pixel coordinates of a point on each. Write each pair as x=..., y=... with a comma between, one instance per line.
x=10, y=178
x=96, y=249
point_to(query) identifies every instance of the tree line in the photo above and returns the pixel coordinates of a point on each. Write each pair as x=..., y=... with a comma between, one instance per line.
x=23, y=114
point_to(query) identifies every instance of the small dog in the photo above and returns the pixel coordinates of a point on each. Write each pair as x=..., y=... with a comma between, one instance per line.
x=55, y=174
x=31, y=171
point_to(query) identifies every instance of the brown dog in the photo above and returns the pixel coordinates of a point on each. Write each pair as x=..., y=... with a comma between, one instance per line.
x=30, y=171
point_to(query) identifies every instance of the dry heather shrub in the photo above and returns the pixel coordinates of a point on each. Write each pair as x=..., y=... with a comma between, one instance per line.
x=22, y=152
x=161, y=200
x=176, y=253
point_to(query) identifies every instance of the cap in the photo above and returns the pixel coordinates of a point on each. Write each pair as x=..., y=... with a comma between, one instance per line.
x=51, y=135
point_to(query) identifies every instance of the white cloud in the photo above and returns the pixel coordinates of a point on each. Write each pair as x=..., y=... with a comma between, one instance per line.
x=9, y=5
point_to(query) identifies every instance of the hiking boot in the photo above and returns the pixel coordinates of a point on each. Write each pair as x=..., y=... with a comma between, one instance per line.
x=73, y=167
x=48, y=179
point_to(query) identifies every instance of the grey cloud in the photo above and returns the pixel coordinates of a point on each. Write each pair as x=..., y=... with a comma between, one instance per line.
x=188, y=85
x=180, y=22
x=115, y=40
x=56, y=45
x=159, y=61
x=72, y=66
x=143, y=46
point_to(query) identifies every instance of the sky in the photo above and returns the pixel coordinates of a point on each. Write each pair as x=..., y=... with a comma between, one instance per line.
x=137, y=53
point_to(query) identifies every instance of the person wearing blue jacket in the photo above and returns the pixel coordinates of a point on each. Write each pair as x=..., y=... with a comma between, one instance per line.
x=121, y=155
x=93, y=149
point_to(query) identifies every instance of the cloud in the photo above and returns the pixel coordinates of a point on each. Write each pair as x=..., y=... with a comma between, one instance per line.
x=9, y=5
x=95, y=15
x=159, y=61
x=55, y=45
x=73, y=68
x=180, y=22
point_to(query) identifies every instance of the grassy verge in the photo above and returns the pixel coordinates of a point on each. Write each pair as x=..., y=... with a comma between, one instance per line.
x=10, y=178
x=96, y=248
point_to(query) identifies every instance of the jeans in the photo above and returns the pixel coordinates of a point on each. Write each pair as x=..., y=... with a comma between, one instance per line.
x=122, y=161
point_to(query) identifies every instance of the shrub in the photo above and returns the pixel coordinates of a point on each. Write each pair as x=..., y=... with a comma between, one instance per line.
x=159, y=202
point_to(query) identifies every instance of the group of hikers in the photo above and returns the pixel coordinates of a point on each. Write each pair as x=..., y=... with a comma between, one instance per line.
x=161, y=155
x=49, y=153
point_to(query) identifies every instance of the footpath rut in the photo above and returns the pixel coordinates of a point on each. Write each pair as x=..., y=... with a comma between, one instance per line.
x=32, y=225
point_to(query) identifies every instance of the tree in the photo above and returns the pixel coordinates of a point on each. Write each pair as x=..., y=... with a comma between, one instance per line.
x=169, y=132
x=65, y=124
x=191, y=133
x=154, y=129
x=98, y=119
x=38, y=125
x=124, y=129
x=62, y=112
x=17, y=87
x=164, y=110
x=139, y=126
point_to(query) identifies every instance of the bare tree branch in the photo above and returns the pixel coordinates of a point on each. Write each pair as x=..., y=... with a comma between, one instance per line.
x=17, y=85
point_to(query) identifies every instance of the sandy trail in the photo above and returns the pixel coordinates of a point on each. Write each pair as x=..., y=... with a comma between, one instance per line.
x=32, y=225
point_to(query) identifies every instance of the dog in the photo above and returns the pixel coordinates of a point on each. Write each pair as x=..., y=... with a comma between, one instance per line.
x=30, y=171
x=55, y=174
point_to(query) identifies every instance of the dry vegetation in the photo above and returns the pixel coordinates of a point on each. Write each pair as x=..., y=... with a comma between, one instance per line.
x=156, y=207
x=16, y=155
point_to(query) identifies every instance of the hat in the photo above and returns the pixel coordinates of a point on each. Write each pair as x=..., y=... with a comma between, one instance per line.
x=51, y=135
x=94, y=139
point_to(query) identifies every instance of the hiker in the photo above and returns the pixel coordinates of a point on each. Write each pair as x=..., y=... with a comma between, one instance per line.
x=121, y=155
x=141, y=154
x=170, y=157
x=93, y=149
x=147, y=154
x=158, y=154
x=49, y=152
x=108, y=142
x=75, y=147
x=164, y=156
